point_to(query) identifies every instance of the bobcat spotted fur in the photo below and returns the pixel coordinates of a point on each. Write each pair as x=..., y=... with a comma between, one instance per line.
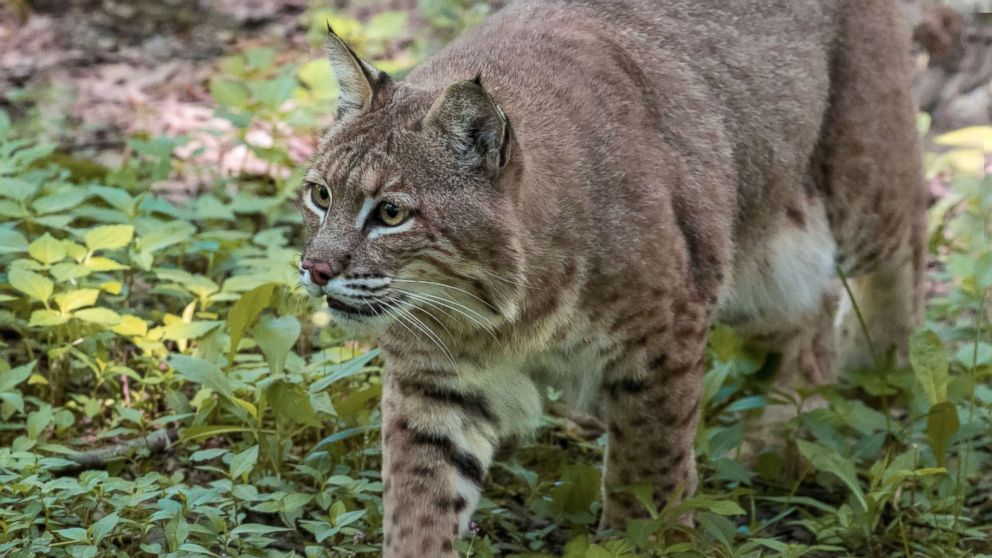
x=572, y=193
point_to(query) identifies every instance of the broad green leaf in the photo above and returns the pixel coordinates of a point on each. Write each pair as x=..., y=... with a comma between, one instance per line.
x=12, y=241
x=79, y=298
x=59, y=201
x=291, y=402
x=244, y=312
x=244, y=462
x=257, y=528
x=104, y=527
x=162, y=237
x=828, y=461
x=112, y=287
x=983, y=271
x=192, y=330
x=47, y=249
x=47, y=318
x=75, y=250
x=72, y=533
x=108, y=237
x=929, y=361
x=34, y=285
x=276, y=336
x=18, y=189
x=204, y=455
x=131, y=326
x=579, y=488
x=942, y=425
x=99, y=316
x=259, y=58
x=38, y=421
x=203, y=372
x=719, y=507
x=228, y=93
x=99, y=263
x=10, y=379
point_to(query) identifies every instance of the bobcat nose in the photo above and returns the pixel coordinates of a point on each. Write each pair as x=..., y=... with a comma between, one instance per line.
x=322, y=272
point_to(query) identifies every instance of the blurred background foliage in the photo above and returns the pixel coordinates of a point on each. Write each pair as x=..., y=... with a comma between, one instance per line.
x=149, y=153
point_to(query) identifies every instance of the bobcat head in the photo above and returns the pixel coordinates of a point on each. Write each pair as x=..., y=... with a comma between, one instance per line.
x=407, y=204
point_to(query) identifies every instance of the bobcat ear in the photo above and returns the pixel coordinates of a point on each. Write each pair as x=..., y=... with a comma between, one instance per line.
x=358, y=80
x=472, y=125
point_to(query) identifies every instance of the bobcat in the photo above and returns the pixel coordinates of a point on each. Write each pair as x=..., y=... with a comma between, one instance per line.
x=572, y=193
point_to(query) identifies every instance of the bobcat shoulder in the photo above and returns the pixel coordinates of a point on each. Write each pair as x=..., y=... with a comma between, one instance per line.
x=571, y=194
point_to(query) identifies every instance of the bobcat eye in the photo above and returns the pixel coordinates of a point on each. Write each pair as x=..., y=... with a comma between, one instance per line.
x=391, y=214
x=320, y=195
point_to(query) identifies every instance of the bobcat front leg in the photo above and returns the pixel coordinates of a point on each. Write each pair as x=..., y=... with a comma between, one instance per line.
x=440, y=431
x=652, y=393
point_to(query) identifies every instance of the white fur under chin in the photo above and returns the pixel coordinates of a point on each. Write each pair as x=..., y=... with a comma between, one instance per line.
x=787, y=281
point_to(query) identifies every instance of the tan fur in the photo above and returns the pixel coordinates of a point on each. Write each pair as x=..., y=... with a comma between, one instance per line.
x=590, y=185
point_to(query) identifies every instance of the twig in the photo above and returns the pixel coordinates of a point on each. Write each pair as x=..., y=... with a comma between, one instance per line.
x=156, y=442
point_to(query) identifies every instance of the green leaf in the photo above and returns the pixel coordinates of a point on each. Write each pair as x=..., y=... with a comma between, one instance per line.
x=206, y=454
x=72, y=534
x=162, y=237
x=104, y=527
x=579, y=488
x=244, y=312
x=79, y=298
x=12, y=241
x=47, y=318
x=256, y=528
x=983, y=271
x=929, y=361
x=276, y=336
x=99, y=316
x=259, y=58
x=717, y=506
x=244, y=462
x=203, y=372
x=228, y=93
x=38, y=421
x=290, y=401
x=47, y=249
x=103, y=264
x=192, y=330
x=12, y=378
x=725, y=439
x=826, y=460
x=30, y=283
x=130, y=326
x=108, y=237
x=59, y=201
x=942, y=425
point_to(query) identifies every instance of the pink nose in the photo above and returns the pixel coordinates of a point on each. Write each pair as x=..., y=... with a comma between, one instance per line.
x=320, y=272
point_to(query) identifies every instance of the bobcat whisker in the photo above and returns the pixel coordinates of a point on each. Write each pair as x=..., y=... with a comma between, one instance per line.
x=432, y=316
x=385, y=308
x=452, y=287
x=415, y=322
x=465, y=311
